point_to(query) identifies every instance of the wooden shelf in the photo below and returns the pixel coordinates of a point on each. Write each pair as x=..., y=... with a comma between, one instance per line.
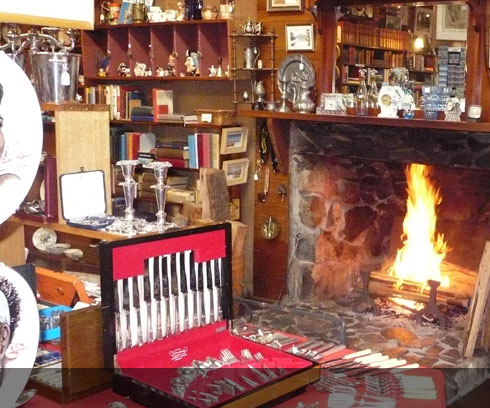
x=371, y=47
x=160, y=24
x=154, y=78
x=374, y=121
x=267, y=35
x=415, y=71
x=366, y=66
x=178, y=124
x=254, y=69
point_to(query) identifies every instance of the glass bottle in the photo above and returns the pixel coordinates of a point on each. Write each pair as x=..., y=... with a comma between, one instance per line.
x=361, y=96
x=372, y=94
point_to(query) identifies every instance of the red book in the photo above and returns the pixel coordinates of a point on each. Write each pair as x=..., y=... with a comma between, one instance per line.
x=200, y=149
x=163, y=103
x=177, y=163
x=135, y=146
x=206, y=150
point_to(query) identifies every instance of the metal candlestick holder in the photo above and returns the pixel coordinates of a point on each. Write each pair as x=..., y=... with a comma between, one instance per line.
x=283, y=89
x=129, y=225
x=160, y=170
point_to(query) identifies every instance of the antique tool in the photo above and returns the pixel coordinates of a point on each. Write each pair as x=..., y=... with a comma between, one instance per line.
x=171, y=297
x=198, y=295
x=282, y=191
x=123, y=325
x=180, y=294
x=190, y=293
x=262, y=197
x=207, y=294
x=215, y=291
x=153, y=302
x=133, y=317
x=163, y=299
x=143, y=308
x=431, y=307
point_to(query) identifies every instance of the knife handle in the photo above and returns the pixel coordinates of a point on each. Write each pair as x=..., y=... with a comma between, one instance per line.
x=144, y=321
x=171, y=302
x=190, y=308
x=154, y=320
x=133, y=326
x=163, y=316
x=199, y=308
x=215, y=303
x=181, y=301
x=123, y=329
x=207, y=305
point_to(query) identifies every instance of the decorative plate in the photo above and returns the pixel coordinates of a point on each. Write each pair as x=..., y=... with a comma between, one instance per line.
x=43, y=237
x=295, y=68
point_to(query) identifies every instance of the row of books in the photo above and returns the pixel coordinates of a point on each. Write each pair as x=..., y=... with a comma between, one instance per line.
x=130, y=103
x=128, y=145
x=367, y=35
x=419, y=62
x=373, y=58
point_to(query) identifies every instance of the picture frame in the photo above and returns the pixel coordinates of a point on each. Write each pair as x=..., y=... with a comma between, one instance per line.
x=285, y=5
x=300, y=37
x=234, y=140
x=452, y=22
x=423, y=21
x=393, y=22
x=236, y=171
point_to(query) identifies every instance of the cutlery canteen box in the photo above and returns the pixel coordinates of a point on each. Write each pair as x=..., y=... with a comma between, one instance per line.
x=167, y=314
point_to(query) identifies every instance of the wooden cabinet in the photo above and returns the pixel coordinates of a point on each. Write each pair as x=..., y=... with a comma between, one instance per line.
x=152, y=44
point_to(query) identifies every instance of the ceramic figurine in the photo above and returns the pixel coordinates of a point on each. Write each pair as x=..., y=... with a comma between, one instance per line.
x=170, y=70
x=192, y=63
x=160, y=72
x=212, y=71
x=148, y=72
x=258, y=28
x=139, y=69
x=123, y=70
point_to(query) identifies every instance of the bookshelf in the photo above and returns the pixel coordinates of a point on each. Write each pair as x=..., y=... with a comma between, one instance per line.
x=361, y=46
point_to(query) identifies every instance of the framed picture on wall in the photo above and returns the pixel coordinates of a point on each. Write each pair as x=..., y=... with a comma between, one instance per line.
x=236, y=171
x=284, y=5
x=393, y=22
x=300, y=37
x=422, y=23
x=234, y=140
x=452, y=22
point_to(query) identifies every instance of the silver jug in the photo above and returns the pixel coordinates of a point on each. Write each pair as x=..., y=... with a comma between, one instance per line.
x=302, y=102
x=251, y=56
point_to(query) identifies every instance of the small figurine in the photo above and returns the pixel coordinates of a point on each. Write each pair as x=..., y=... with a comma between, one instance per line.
x=170, y=70
x=219, y=70
x=148, y=72
x=181, y=11
x=192, y=63
x=123, y=70
x=101, y=73
x=258, y=28
x=212, y=71
x=139, y=69
x=160, y=72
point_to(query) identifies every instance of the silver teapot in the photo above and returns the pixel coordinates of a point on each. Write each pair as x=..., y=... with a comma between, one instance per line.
x=248, y=27
x=302, y=102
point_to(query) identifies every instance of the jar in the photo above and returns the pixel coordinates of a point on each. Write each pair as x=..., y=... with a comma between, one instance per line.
x=209, y=13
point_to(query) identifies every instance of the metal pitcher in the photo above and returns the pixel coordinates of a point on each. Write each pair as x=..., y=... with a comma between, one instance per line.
x=302, y=102
x=251, y=55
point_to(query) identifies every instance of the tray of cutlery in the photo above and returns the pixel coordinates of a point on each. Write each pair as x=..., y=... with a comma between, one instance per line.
x=167, y=308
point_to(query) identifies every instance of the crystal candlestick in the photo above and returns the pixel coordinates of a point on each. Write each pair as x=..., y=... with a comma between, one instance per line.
x=129, y=186
x=160, y=170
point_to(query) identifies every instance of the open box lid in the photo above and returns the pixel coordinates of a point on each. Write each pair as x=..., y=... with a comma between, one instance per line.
x=82, y=194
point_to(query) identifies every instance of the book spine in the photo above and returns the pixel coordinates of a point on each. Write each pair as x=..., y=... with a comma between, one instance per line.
x=173, y=153
x=193, y=159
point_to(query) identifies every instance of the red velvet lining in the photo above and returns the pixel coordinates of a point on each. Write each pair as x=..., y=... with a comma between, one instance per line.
x=129, y=260
x=198, y=344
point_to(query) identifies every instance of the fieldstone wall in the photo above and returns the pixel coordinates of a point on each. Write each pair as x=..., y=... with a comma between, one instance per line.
x=348, y=192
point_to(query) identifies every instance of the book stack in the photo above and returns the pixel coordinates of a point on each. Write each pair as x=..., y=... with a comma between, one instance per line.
x=204, y=150
x=178, y=192
x=129, y=145
x=175, y=152
x=121, y=99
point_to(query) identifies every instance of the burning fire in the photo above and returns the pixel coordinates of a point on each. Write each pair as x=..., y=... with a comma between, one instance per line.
x=423, y=250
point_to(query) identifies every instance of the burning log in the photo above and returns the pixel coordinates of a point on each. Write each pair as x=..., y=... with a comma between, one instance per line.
x=460, y=290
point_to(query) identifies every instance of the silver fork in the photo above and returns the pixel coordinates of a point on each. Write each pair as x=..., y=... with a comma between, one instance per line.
x=246, y=355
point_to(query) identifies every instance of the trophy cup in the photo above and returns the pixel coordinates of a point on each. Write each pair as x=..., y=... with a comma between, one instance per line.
x=160, y=170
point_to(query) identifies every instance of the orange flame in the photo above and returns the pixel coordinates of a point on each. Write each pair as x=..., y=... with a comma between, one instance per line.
x=423, y=251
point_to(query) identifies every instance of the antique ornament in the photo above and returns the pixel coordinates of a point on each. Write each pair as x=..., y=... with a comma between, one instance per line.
x=271, y=228
x=388, y=100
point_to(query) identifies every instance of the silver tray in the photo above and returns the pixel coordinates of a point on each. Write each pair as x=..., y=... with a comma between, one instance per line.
x=295, y=68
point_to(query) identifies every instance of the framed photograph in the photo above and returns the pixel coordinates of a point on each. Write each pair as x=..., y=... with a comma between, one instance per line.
x=234, y=140
x=452, y=22
x=236, y=171
x=284, y=5
x=300, y=37
x=361, y=11
x=393, y=22
x=422, y=23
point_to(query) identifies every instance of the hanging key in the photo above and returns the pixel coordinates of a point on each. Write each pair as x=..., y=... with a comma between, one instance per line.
x=282, y=191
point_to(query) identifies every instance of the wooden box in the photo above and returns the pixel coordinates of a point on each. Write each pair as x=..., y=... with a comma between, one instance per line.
x=168, y=338
x=219, y=117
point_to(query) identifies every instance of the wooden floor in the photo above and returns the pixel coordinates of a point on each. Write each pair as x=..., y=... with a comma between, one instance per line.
x=478, y=398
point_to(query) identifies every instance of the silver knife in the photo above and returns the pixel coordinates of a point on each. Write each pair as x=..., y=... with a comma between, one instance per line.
x=143, y=308
x=153, y=302
x=215, y=291
x=190, y=293
x=207, y=294
x=171, y=297
x=180, y=295
x=123, y=324
x=198, y=295
x=163, y=299
x=133, y=317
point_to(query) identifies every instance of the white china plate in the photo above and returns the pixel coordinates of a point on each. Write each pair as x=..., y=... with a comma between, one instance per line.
x=43, y=237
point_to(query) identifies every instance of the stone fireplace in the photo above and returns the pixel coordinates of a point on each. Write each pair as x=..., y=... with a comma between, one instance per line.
x=348, y=192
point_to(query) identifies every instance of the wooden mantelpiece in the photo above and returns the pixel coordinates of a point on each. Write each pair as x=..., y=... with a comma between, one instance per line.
x=279, y=125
